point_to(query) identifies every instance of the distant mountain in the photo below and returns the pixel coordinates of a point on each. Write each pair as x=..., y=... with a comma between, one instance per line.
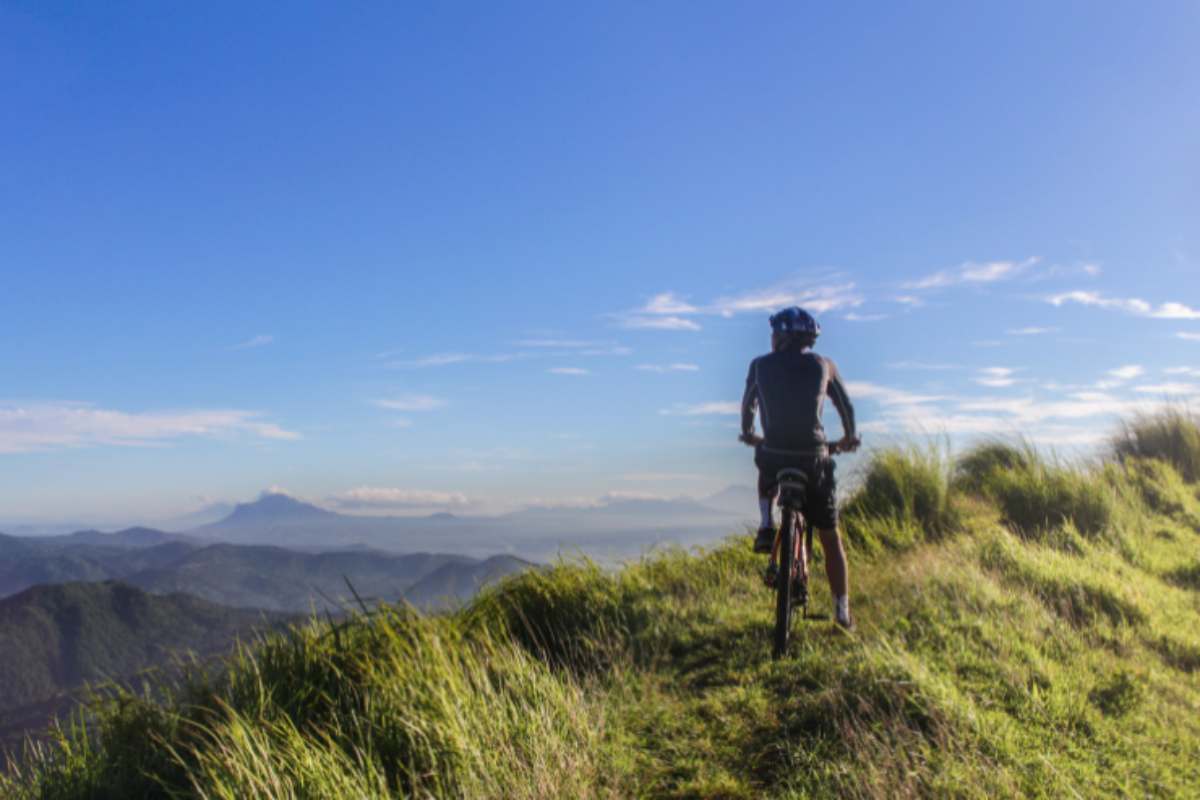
x=56, y=638
x=214, y=512
x=609, y=531
x=245, y=576
x=61, y=559
x=740, y=500
x=130, y=537
x=276, y=508
x=259, y=576
x=456, y=583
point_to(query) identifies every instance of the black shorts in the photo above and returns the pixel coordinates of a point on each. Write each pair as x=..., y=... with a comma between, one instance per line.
x=820, y=500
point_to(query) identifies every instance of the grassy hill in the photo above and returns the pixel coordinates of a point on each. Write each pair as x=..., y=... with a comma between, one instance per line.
x=1025, y=628
x=57, y=638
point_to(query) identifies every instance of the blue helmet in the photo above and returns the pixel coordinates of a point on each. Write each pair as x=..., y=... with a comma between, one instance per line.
x=795, y=320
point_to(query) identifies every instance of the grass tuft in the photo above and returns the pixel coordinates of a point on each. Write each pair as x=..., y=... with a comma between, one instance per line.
x=905, y=498
x=1171, y=436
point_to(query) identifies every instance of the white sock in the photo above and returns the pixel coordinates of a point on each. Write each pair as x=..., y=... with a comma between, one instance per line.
x=842, y=606
x=766, y=508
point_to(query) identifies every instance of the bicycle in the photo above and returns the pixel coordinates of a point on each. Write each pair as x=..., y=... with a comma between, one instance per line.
x=791, y=551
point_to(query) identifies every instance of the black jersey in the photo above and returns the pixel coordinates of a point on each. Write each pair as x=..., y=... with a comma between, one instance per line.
x=788, y=388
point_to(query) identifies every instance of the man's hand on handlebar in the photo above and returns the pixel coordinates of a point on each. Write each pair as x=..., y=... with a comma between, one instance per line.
x=847, y=444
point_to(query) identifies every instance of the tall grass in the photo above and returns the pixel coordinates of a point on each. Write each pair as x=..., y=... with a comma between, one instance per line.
x=391, y=704
x=1171, y=436
x=1036, y=495
x=905, y=497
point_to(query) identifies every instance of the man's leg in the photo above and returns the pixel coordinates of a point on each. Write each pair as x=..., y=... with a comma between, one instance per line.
x=767, y=488
x=838, y=574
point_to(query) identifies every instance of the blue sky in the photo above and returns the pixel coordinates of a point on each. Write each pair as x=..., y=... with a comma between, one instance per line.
x=406, y=257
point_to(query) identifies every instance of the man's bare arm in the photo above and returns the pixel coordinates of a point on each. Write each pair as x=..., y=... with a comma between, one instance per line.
x=749, y=407
x=841, y=401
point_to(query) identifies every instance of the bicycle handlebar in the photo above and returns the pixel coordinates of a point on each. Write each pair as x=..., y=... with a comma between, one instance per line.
x=835, y=448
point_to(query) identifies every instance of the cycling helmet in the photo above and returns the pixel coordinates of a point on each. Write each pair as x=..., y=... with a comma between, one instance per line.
x=795, y=320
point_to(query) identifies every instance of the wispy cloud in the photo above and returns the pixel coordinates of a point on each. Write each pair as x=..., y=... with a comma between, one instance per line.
x=817, y=298
x=973, y=273
x=668, y=311
x=1032, y=331
x=658, y=323
x=385, y=498
x=447, y=359
x=568, y=371
x=1129, y=305
x=1128, y=372
x=702, y=409
x=411, y=402
x=1188, y=336
x=887, y=395
x=1170, y=389
x=1191, y=371
x=667, y=304
x=996, y=377
x=47, y=426
x=855, y=317
x=262, y=340
x=678, y=367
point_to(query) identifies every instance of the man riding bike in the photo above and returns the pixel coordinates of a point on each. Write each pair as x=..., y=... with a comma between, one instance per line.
x=788, y=387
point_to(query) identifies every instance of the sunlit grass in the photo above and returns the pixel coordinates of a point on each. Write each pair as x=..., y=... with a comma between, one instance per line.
x=1025, y=628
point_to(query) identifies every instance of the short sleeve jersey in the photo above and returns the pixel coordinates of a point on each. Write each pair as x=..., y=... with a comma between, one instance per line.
x=789, y=388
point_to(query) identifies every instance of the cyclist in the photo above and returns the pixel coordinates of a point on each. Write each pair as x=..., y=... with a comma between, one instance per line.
x=788, y=387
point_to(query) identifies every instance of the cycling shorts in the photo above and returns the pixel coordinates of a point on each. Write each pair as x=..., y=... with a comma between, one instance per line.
x=820, y=497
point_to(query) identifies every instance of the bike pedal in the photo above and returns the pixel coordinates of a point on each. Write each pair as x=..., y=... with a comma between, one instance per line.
x=770, y=574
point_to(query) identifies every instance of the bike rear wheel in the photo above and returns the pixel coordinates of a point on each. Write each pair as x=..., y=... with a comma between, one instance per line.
x=783, y=585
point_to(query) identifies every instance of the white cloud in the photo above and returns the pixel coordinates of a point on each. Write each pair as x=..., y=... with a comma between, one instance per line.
x=581, y=347
x=702, y=409
x=568, y=371
x=1130, y=305
x=678, y=367
x=667, y=311
x=47, y=426
x=411, y=402
x=1127, y=373
x=373, y=497
x=1170, y=389
x=261, y=340
x=973, y=273
x=659, y=323
x=888, y=396
x=559, y=344
x=816, y=299
x=611, y=350
x=1031, y=331
x=667, y=304
x=996, y=377
x=1188, y=336
x=853, y=317
x=1191, y=371
x=446, y=359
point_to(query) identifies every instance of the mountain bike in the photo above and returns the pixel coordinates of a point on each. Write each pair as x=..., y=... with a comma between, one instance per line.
x=788, y=567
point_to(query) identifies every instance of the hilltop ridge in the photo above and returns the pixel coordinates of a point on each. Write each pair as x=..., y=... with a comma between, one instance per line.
x=1025, y=628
